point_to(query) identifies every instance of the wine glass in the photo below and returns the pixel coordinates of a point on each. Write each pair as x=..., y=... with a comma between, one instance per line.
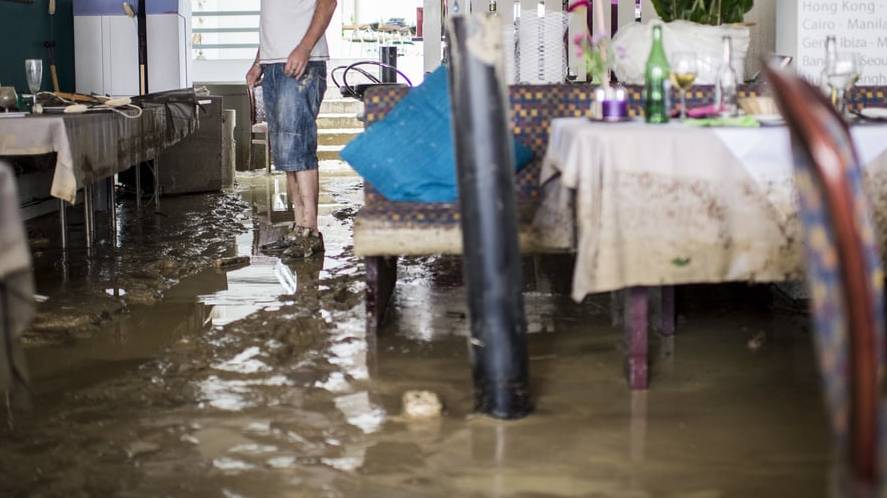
x=842, y=73
x=8, y=97
x=34, y=74
x=684, y=68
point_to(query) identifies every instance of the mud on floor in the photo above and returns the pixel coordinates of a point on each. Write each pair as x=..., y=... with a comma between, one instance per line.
x=260, y=382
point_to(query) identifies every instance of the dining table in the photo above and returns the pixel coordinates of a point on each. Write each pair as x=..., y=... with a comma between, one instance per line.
x=648, y=207
x=654, y=205
x=96, y=145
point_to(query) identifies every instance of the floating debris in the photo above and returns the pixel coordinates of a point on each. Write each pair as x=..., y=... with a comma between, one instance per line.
x=757, y=342
x=422, y=404
x=139, y=448
x=221, y=263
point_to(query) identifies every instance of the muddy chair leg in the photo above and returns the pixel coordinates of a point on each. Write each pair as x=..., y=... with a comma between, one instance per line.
x=665, y=318
x=381, y=278
x=617, y=308
x=636, y=348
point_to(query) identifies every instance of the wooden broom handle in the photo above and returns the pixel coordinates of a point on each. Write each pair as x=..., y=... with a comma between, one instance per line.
x=55, y=78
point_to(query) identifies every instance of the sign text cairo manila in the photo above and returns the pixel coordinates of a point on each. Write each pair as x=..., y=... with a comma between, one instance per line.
x=860, y=26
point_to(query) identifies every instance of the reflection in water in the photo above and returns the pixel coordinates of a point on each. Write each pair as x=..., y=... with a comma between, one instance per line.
x=236, y=395
x=360, y=412
x=245, y=362
x=227, y=463
x=638, y=427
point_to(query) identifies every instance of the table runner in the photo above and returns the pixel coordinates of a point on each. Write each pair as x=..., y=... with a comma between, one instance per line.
x=666, y=205
x=96, y=145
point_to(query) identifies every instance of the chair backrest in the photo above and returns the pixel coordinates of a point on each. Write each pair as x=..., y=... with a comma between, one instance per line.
x=256, y=105
x=843, y=268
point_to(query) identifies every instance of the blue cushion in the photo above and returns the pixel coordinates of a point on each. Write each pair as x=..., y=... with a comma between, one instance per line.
x=409, y=156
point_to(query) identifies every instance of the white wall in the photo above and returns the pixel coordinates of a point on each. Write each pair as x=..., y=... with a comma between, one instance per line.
x=370, y=11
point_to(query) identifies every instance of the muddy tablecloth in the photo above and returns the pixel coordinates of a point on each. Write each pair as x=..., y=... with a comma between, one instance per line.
x=16, y=282
x=96, y=145
x=664, y=205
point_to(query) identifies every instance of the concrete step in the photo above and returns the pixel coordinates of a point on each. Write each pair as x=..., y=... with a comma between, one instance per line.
x=341, y=106
x=332, y=120
x=337, y=136
x=329, y=152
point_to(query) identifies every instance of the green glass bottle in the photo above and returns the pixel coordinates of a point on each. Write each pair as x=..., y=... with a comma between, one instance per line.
x=656, y=81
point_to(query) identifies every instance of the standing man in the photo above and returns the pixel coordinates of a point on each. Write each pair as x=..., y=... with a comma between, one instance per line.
x=291, y=66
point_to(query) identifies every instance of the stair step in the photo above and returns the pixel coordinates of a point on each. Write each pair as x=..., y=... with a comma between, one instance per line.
x=329, y=152
x=337, y=136
x=341, y=106
x=334, y=120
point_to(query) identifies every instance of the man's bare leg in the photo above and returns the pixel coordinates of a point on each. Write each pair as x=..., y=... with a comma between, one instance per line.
x=309, y=192
x=295, y=198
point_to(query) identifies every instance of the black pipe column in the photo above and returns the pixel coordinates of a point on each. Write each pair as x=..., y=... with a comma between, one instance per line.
x=491, y=255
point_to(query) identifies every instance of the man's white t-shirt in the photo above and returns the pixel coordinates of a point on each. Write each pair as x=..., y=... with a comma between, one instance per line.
x=282, y=26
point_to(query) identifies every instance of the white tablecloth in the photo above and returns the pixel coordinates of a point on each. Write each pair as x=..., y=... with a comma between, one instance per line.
x=96, y=145
x=673, y=204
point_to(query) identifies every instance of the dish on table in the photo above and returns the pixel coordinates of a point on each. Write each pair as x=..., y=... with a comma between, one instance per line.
x=873, y=113
x=770, y=119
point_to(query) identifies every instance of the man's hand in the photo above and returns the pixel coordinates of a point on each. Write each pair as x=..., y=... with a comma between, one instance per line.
x=297, y=62
x=254, y=75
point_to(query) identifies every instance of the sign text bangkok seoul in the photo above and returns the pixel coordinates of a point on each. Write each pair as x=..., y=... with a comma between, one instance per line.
x=859, y=25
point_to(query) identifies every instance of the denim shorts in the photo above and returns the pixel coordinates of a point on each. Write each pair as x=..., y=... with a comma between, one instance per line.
x=291, y=107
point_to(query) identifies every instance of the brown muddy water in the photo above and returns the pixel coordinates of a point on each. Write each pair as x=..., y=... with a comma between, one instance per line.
x=155, y=375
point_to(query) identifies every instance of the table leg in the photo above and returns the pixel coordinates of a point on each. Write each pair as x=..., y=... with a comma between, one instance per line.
x=666, y=318
x=270, y=194
x=617, y=308
x=63, y=223
x=88, y=220
x=156, y=183
x=267, y=154
x=138, y=174
x=636, y=348
x=112, y=208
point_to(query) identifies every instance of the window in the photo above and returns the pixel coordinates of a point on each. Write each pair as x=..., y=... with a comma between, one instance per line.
x=225, y=29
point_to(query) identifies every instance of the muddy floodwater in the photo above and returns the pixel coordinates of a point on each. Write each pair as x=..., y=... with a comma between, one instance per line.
x=157, y=375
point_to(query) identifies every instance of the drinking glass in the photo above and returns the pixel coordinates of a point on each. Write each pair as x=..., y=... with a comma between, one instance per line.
x=8, y=97
x=34, y=74
x=684, y=69
x=842, y=73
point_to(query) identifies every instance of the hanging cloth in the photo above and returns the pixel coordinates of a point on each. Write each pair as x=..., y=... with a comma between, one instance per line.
x=16, y=285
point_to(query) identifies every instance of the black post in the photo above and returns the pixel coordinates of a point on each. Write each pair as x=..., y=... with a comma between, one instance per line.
x=388, y=55
x=491, y=262
x=142, y=19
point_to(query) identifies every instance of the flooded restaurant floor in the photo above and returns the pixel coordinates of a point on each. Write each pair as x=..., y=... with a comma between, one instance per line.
x=157, y=375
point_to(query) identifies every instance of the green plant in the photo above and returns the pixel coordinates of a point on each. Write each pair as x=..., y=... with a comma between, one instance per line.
x=712, y=12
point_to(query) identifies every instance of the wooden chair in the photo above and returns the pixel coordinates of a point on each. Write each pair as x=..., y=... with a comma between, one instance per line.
x=259, y=124
x=843, y=268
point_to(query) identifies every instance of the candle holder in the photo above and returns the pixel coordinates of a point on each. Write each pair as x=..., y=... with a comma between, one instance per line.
x=610, y=104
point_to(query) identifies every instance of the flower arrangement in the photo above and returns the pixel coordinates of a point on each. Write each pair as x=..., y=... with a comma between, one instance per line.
x=597, y=53
x=610, y=103
x=597, y=49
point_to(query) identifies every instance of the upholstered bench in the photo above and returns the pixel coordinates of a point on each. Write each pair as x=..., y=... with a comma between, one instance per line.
x=385, y=230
